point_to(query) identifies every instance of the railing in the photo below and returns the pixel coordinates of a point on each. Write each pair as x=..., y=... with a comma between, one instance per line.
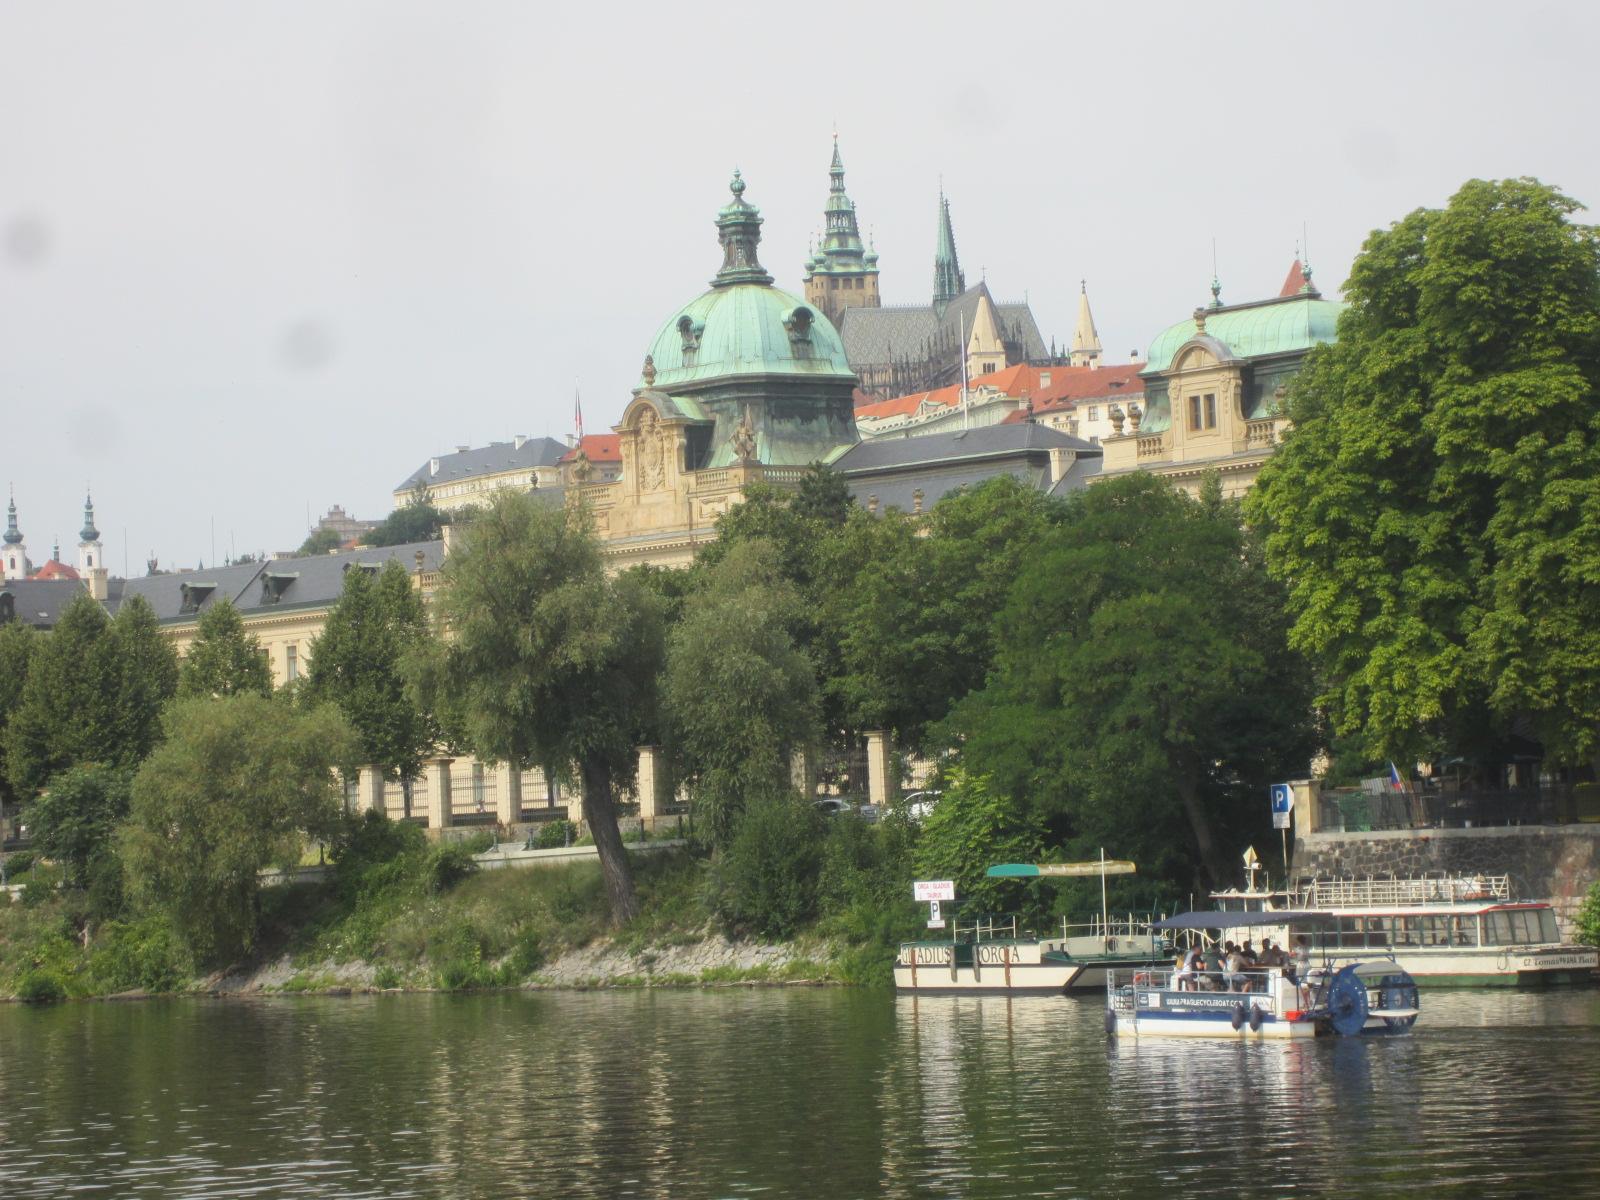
x=1386, y=893
x=1152, y=445
x=1361, y=812
x=1260, y=434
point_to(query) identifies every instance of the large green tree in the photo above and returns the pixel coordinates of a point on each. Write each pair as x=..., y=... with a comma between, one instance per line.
x=94, y=693
x=240, y=783
x=415, y=521
x=549, y=661
x=224, y=659
x=17, y=645
x=1143, y=695
x=74, y=820
x=917, y=624
x=1435, y=511
x=739, y=694
x=357, y=664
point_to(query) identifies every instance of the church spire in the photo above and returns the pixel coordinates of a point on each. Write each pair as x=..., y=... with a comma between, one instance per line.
x=739, y=231
x=948, y=281
x=88, y=533
x=842, y=273
x=1086, y=347
x=13, y=534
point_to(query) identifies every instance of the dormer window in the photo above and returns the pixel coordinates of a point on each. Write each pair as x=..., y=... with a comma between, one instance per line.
x=689, y=330
x=798, y=325
x=193, y=595
x=274, y=584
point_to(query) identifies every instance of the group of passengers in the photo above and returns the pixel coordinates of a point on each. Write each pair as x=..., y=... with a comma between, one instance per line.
x=1225, y=967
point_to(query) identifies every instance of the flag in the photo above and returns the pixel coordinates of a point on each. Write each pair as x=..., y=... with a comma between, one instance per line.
x=577, y=411
x=1394, y=779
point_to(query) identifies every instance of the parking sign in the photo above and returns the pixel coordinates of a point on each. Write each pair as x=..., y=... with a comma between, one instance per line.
x=1282, y=804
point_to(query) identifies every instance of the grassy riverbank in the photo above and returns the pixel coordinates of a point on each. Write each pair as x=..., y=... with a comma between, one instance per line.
x=398, y=912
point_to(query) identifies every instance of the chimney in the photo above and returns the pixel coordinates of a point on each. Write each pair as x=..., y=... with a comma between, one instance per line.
x=100, y=583
x=462, y=449
x=519, y=441
x=433, y=466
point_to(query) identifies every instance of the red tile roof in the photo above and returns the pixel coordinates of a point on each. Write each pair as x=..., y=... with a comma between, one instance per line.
x=1067, y=386
x=600, y=447
x=55, y=569
x=1295, y=280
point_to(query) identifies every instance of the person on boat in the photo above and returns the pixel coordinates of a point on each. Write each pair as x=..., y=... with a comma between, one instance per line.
x=1212, y=979
x=1189, y=968
x=1238, y=981
x=1300, y=972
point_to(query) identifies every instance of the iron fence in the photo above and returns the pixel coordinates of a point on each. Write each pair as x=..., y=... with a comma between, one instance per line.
x=1359, y=812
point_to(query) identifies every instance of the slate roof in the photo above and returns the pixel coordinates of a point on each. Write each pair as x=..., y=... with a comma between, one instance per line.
x=36, y=602
x=892, y=468
x=492, y=459
x=282, y=584
x=882, y=335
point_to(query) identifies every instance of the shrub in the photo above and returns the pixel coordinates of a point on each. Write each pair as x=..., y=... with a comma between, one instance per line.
x=143, y=954
x=446, y=866
x=553, y=834
x=765, y=882
x=19, y=864
x=1587, y=922
x=385, y=978
x=40, y=987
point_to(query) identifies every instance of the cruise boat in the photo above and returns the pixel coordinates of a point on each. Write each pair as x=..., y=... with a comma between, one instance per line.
x=1445, y=930
x=1343, y=996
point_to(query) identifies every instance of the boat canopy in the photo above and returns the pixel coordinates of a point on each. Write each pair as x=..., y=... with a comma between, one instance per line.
x=1239, y=920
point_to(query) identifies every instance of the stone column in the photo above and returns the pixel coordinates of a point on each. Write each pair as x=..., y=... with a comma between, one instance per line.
x=800, y=773
x=649, y=783
x=507, y=794
x=369, y=793
x=878, y=766
x=439, y=813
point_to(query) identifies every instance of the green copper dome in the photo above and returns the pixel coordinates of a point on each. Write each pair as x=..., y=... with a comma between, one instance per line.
x=1252, y=330
x=746, y=329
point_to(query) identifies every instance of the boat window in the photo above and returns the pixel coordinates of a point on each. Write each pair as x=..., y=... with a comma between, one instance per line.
x=1408, y=931
x=1435, y=931
x=1496, y=929
x=1377, y=932
x=1466, y=930
x=1351, y=935
x=1523, y=930
x=1547, y=926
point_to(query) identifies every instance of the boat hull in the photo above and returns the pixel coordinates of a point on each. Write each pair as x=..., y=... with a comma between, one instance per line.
x=1023, y=967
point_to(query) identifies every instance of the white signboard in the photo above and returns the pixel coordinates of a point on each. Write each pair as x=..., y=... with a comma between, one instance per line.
x=933, y=889
x=935, y=921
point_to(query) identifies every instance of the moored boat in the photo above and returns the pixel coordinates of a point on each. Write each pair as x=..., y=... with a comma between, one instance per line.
x=1445, y=930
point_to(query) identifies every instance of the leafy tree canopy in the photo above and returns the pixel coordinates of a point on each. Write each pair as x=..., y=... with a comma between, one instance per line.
x=549, y=661
x=416, y=521
x=223, y=659
x=357, y=664
x=1143, y=694
x=1435, y=511
x=240, y=784
x=17, y=645
x=322, y=540
x=74, y=820
x=739, y=694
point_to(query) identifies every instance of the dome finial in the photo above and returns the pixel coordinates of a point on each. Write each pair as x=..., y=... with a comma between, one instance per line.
x=739, y=231
x=736, y=184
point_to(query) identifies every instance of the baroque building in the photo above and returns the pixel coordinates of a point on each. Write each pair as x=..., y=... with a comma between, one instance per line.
x=1214, y=386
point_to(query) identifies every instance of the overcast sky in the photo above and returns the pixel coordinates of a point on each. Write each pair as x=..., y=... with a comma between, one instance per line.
x=260, y=258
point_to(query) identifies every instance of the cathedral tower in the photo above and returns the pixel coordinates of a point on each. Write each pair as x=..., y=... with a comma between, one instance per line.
x=14, y=558
x=841, y=273
x=1086, y=348
x=948, y=281
x=90, y=552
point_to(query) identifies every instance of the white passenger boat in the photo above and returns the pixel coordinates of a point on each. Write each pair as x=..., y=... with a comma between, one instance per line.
x=1347, y=997
x=1458, y=931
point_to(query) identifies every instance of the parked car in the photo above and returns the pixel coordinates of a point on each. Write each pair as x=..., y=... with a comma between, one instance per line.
x=919, y=804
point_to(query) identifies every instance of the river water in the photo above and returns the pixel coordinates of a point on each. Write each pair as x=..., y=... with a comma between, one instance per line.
x=781, y=1092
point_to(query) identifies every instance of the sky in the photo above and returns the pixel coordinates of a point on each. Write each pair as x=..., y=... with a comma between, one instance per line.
x=260, y=259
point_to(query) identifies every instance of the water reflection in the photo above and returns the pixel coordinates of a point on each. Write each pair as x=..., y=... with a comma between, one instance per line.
x=782, y=1093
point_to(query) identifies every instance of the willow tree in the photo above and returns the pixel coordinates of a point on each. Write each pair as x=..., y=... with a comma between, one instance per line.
x=1435, y=511
x=547, y=661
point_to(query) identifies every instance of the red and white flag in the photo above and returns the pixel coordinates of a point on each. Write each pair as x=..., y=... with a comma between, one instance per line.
x=577, y=410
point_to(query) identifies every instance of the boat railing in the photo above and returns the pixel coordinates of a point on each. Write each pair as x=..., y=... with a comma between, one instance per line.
x=987, y=929
x=1385, y=893
x=1120, y=926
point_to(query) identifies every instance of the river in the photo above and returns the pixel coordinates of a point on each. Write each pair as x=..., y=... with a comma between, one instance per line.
x=777, y=1093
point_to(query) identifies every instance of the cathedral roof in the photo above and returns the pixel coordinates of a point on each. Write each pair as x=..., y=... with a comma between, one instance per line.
x=886, y=335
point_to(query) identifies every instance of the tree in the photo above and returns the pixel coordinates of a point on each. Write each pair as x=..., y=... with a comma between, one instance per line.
x=739, y=696
x=357, y=665
x=1435, y=510
x=549, y=661
x=223, y=659
x=74, y=820
x=320, y=540
x=17, y=645
x=94, y=693
x=1143, y=694
x=417, y=520
x=239, y=784
x=919, y=630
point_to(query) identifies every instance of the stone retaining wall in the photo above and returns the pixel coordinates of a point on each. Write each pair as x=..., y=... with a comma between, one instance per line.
x=1556, y=863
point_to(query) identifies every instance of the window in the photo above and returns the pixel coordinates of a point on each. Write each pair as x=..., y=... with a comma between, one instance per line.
x=1547, y=926
x=1466, y=930
x=1194, y=412
x=291, y=663
x=1094, y=412
x=1211, y=411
